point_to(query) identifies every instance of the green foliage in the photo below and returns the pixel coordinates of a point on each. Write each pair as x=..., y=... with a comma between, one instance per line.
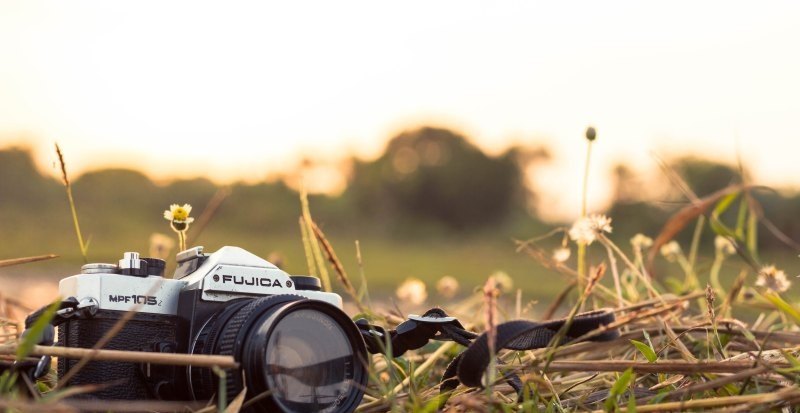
x=8, y=382
x=716, y=224
x=34, y=333
x=618, y=389
x=783, y=306
x=646, y=350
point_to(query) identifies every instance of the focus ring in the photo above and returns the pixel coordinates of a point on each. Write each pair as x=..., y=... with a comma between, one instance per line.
x=203, y=379
x=232, y=331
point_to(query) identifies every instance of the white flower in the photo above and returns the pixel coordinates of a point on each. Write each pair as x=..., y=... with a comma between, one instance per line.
x=503, y=282
x=724, y=245
x=641, y=241
x=585, y=230
x=773, y=279
x=447, y=286
x=561, y=255
x=178, y=216
x=179, y=213
x=671, y=250
x=412, y=291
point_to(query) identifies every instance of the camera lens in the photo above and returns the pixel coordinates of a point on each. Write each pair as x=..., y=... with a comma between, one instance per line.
x=309, y=362
x=295, y=355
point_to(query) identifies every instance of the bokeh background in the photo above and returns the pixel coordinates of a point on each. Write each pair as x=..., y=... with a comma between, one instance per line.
x=434, y=134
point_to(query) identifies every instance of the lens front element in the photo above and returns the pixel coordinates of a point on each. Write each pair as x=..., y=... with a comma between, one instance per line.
x=309, y=362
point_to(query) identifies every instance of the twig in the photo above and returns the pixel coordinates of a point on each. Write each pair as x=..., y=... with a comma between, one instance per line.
x=25, y=260
x=662, y=366
x=173, y=359
x=73, y=405
x=788, y=395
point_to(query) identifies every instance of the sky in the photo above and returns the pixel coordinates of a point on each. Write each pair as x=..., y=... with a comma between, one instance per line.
x=242, y=90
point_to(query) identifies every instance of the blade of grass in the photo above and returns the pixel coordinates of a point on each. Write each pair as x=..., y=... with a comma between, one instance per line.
x=618, y=389
x=337, y=266
x=33, y=335
x=646, y=350
x=68, y=186
x=316, y=251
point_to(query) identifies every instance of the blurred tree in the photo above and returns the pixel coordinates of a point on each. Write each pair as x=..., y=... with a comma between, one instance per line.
x=21, y=183
x=705, y=176
x=632, y=211
x=436, y=176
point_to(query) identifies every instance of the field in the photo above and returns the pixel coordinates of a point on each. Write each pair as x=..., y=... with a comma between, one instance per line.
x=696, y=317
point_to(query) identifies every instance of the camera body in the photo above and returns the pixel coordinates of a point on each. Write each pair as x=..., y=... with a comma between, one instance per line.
x=218, y=303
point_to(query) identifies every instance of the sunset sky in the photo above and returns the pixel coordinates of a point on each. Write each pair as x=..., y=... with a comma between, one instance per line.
x=241, y=90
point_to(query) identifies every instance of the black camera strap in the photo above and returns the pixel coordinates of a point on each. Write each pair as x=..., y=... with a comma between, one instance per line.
x=469, y=366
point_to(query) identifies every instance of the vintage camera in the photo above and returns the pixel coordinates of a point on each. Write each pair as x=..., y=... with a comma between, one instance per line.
x=297, y=350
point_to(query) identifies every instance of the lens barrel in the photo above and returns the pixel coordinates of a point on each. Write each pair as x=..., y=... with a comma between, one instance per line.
x=302, y=355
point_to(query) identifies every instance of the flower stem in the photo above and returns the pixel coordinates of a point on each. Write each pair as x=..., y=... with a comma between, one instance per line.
x=643, y=276
x=714, y=274
x=698, y=232
x=584, y=193
x=586, y=179
x=617, y=286
x=77, y=225
x=181, y=240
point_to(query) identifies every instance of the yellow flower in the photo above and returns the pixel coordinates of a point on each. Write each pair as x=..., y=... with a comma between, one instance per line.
x=179, y=214
x=179, y=220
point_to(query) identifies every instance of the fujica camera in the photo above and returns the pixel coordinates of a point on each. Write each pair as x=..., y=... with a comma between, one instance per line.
x=294, y=344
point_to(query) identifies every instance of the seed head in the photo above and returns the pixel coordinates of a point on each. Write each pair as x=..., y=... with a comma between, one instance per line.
x=587, y=229
x=773, y=279
x=503, y=281
x=710, y=302
x=641, y=241
x=591, y=134
x=671, y=251
x=724, y=245
x=447, y=286
x=63, y=165
x=561, y=255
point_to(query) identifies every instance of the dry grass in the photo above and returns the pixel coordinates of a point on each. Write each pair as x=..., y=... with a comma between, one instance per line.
x=701, y=362
x=680, y=347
